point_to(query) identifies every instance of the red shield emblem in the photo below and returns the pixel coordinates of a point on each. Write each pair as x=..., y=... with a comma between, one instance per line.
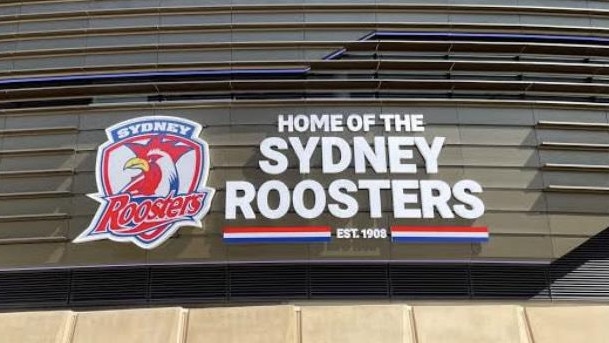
x=151, y=178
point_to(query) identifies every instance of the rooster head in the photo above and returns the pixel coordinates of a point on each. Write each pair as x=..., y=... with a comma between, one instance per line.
x=156, y=161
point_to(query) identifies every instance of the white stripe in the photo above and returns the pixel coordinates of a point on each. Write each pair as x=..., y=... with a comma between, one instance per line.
x=440, y=234
x=275, y=234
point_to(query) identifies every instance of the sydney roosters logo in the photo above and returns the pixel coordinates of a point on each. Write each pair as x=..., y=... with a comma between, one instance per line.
x=151, y=176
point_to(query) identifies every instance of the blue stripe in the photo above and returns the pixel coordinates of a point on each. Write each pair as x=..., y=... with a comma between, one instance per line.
x=143, y=75
x=335, y=54
x=277, y=240
x=494, y=36
x=499, y=37
x=439, y=239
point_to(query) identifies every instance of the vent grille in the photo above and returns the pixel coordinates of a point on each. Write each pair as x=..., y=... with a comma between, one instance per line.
x=276, y=281
x=584, y=272
x=509, y=281
x=34, y=289
x=430, y=281
x=109, y=286
x=187, y=283
x=577, y=276
x=351, y=280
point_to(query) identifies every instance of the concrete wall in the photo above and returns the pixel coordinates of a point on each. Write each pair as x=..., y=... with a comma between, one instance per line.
x=306, y=324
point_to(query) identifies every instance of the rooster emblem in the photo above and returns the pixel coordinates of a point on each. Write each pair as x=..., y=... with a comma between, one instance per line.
x=157, y=163
x=151, y=178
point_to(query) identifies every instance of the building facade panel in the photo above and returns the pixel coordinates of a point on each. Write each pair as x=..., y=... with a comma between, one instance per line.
x=518, y=92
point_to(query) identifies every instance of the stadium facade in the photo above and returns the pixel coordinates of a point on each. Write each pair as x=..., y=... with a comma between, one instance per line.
x=347, y=149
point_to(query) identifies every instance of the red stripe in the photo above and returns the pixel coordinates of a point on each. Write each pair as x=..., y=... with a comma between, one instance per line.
x=439, y=229
x=251, y=229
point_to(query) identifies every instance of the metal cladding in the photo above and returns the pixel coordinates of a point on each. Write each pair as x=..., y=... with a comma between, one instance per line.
x=511, y=102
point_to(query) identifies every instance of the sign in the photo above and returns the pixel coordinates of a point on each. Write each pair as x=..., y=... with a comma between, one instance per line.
x=392, y=156
x=151, y=176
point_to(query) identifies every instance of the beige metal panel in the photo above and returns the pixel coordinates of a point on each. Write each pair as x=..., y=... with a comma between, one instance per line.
x=577, y=203
x=36, y=140
x=495, y=116
x=186, y=247
x=515, y=223
x=319, y=34
x=591, y=179
x=554, y=20
x=237, y=157
x=341, y=17
x=124, y=21
x=84, y=182
x=205, y=115
x=54, y=7
x=564, y=245
x=255, y=324
x=267, y=252
x=90, y=139
x=573, y=136
x=39, y=183
x=574, y=157
x=239, y=135
x=32, y=230
x=577, y=224
x=177, y=3
x=194, y=56
x=562, y=324
x=294, y=35
x=26, y=26
x=201, y=35
x=121, y=58
x=57, y=160
x=490, y=177
x=571, y=115
x=406, y=17
x=83, y=205
x=141, y=325
x=515, y=247
x=30, y=64
x=36, y=327
x=482, y=18
x=50, y=43
x=28, y=255
x=488, y=156
x=123, y=4
x=470, y=324
x=497, y=135
x=356, y=324
x=125, y=40
x=12, y=207
x=40, y=120
x=84, y=161
x=439, y=251
x=101, y=119
x=78, y=223
x=172, y=19
x=514, y=200
x=102, y=252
